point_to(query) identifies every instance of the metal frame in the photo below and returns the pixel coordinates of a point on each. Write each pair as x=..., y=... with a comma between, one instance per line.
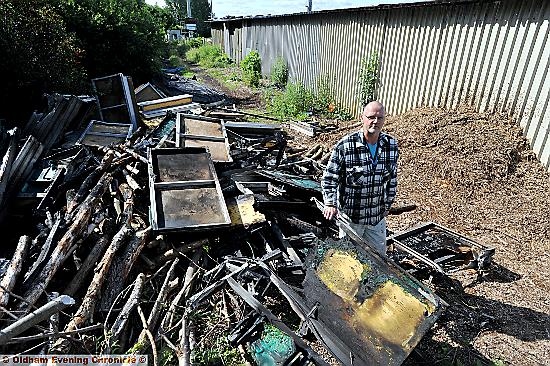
x=127, y=90
x=87, y=131
x=155, y=187
x=485, y=252
x=182, y=137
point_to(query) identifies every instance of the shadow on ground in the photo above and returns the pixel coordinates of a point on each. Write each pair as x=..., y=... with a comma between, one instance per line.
x=467, y=316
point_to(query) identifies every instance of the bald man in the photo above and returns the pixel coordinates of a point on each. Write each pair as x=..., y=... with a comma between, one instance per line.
x=360, y=179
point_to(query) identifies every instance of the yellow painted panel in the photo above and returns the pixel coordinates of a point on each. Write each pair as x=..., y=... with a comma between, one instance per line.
x=390, y=313
x=341, y=272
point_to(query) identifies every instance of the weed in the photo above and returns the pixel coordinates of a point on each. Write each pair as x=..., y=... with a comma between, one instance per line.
x=369, y=78
x=208, y=56
x=279, y=72
x=325, y=102
x=181, y=47
x=167, y=357
x=294, y=102
x=324, y=99
x=251, y=67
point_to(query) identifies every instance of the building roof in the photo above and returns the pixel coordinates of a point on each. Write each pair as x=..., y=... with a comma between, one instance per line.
x=332, y=11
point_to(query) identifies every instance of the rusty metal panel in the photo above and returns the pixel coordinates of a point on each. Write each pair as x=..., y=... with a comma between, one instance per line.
x=198, y=131
x=184, y=190
x=379, y=310
x=100, y=133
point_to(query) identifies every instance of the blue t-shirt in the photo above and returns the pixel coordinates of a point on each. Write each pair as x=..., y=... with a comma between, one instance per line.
x=372, y=149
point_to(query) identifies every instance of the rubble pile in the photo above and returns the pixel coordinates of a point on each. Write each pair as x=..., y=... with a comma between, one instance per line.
x=200, y=238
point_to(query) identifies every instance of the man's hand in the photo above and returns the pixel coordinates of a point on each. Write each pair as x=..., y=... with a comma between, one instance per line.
x=329, y=212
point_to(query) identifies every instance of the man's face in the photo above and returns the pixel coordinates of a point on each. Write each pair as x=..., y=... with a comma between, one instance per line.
x=373, y=118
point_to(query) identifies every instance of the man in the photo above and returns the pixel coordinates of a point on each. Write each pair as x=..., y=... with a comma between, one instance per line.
x=361, y=178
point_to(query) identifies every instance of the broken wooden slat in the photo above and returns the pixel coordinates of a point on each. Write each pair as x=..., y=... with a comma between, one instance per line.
x=148, y=91
x=7, y=163
x=100, y=133
x=155, y=113
x=164, y=103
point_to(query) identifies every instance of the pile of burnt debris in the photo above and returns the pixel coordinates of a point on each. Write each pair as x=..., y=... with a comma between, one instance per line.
x=158, y=225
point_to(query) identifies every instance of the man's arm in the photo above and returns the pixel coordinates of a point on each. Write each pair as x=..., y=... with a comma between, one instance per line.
x=330, y=181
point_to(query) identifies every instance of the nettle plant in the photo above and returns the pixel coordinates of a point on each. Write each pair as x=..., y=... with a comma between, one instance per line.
x=369, y=78
x=251, y=67
x=279, y=72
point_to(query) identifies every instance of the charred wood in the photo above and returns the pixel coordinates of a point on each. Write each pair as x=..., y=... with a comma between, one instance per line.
x=10, y=277
x=133, y=300
x=29, y=276
x=120, y=268
x=86, y=310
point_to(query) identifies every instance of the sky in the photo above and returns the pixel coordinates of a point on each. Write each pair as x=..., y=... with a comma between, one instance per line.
x=222, y=8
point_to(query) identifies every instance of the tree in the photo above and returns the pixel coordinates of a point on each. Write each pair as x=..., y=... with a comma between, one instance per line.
x=38, y=56
x=124, y=36
x=200, y=10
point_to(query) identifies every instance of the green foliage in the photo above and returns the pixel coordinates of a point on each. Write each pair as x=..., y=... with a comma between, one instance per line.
x=124, y=36
x=175, y=61
x=230, y=77
x=369, y=78
x=181, y=47
x=325, y=102
x=194, y=42
x=251, y=67
x=208, y=56
x=293, y=103
x=166, y=356
x=279, y=72
x=38, y=55
x=324, y=98
x=59, y=45
x=200, y=10
x=218, y=353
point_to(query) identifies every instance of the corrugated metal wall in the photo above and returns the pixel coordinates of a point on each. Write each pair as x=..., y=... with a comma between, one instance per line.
x=493, y=55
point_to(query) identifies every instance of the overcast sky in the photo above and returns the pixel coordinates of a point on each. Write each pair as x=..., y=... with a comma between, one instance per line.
x=223, y=8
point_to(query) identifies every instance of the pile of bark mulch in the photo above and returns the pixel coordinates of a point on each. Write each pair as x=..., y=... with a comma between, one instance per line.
x=476, y=174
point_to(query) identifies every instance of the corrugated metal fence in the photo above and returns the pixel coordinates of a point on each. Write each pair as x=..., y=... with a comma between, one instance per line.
x=493, y=55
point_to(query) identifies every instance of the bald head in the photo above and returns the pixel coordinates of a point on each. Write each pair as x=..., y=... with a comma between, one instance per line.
x=373, y=119
x=374, y=106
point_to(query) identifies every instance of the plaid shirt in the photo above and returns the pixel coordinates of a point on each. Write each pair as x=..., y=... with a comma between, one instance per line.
x=361, y=187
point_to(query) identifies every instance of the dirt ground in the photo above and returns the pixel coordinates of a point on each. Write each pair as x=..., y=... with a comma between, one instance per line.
x=473, y=173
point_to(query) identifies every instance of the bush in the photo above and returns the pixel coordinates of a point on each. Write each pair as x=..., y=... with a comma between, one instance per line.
x=208, y=56
x=252, y=68
x=294, y=102
x=194, y=42
x=38, y=55
x=279, y=72
x=175, y=61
